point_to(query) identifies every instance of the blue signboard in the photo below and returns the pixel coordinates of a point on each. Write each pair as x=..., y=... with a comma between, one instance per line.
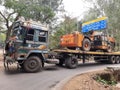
x=98, y=24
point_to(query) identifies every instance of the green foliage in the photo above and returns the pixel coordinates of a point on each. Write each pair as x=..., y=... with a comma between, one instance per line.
x=67, y=26
x=37, y=10
x=43, y=10
x=55, y=38
x=2, y=37
x=106, y=82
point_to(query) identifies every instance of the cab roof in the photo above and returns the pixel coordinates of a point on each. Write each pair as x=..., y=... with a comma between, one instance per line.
x=29, y=24
x=35, y=25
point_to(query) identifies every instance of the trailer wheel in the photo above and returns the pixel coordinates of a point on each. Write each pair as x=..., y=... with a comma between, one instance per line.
x=61, y=62
x=117, y=60
x=86, y=46
x=33, y=64
x=112, y=60
x=71, y=62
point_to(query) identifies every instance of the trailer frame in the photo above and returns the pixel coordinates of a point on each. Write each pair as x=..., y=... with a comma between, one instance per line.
x=71, y=57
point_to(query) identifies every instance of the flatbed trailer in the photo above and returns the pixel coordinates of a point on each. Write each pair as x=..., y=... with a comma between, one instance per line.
x=71, y=57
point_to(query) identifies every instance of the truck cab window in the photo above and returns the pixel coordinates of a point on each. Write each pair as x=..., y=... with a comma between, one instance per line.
x=42, y=36
x=30, y=34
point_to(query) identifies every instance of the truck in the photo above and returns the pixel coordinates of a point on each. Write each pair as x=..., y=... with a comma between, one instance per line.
x=28, y=47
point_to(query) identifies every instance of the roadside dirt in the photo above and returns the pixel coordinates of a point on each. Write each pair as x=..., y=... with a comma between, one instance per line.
x=1, y=54
x=86, y=82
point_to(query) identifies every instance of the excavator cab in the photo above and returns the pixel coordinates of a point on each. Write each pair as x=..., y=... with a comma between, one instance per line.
x=104, y=42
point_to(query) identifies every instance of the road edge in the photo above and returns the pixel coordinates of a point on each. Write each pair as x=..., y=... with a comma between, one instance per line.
x=59, y=85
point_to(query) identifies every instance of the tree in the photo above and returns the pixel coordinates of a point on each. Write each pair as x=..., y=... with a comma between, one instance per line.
x=2, y=37
x=38, y=10
x=67, y=26
x=109, y=8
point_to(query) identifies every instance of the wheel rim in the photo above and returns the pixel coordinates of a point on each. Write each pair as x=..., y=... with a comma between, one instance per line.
x=73, y=62
x=32, y=64
x=86, y=44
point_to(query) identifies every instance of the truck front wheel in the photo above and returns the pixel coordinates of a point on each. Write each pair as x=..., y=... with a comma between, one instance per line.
x=33, y=64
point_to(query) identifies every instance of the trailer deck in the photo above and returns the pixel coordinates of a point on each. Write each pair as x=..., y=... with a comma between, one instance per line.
x=85, y=52
x=70, y=57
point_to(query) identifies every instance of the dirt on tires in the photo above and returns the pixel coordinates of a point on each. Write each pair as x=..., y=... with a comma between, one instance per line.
x=86, y=82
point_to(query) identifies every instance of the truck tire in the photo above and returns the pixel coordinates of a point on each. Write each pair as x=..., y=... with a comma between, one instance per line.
x=117, y=59
x=86, y=45
x=61, y=62
x=33, y=64
x=71, y=62
x=112, y=60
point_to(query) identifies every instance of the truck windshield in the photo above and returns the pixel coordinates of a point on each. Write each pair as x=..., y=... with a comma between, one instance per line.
x=36, y=35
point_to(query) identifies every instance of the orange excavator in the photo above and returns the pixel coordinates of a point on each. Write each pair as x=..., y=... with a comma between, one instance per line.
x=93, y=40
x=76, y=40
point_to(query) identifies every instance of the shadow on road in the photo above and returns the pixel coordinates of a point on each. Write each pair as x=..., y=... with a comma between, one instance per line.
x=51, y=68
x=92, y=64
x=56, y=68
x=85, y=65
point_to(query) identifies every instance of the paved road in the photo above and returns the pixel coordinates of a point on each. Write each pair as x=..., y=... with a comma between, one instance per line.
x=44, y=80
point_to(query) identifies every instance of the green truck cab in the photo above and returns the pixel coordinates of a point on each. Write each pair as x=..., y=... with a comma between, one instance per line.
x=28, y=46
